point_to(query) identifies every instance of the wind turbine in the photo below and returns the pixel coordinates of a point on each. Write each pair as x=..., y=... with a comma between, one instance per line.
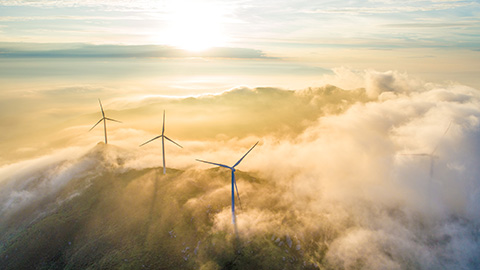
x=104, y=119
x=432, y=155
x=234, y=183
x=163, y=142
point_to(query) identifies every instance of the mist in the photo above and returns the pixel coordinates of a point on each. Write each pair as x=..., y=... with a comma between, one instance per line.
x=379, y=171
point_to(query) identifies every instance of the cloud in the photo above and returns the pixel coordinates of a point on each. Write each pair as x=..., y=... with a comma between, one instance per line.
x=64, y=17
x=112, y=4
x=26, y=182
x=33, y=50
x=428, y=25
x=390, y=7
x=328, y=185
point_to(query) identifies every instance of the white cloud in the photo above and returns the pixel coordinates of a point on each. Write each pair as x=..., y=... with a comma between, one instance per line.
x=390, y=7
x=68, y=18
x=339, y=189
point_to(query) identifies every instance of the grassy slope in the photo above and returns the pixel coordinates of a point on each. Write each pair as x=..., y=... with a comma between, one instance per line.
x=138, y=220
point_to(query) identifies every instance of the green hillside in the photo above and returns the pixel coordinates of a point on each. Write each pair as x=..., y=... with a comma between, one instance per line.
x=114, y=218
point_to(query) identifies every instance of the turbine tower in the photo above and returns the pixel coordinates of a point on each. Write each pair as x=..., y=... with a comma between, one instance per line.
x=163, y=142
x=234, y=183
x=432, y=157
x=104, y=119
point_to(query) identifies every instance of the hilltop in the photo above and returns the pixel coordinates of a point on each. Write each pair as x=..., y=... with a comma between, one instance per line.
x=108, y=217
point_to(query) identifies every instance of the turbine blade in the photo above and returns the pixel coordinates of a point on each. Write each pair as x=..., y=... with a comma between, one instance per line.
x=446, y=130
x=163, y=126
x=151, y=140
x=173, y=142
x=238, y=162
x=113, y=120
x=217, y=164
x=444, y=133
x=96, y=124
x=238, y=195
x=101, y=108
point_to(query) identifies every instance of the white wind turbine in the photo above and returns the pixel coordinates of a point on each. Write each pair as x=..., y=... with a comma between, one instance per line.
x=234, y=183
x=163, y=142
x=104, y=119
x=432, y=154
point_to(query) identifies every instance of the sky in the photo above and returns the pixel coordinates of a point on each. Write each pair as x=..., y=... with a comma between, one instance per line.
x=58, y=57
x=64, y=55
x=192, y=47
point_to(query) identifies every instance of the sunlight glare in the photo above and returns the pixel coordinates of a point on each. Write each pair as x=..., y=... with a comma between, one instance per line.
x=195, y=26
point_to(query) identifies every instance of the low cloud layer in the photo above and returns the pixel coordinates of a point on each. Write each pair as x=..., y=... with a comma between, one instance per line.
x=78, y=50
x=341, y=179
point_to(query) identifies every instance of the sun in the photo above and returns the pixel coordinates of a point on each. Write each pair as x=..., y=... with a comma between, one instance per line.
x=194, y=26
